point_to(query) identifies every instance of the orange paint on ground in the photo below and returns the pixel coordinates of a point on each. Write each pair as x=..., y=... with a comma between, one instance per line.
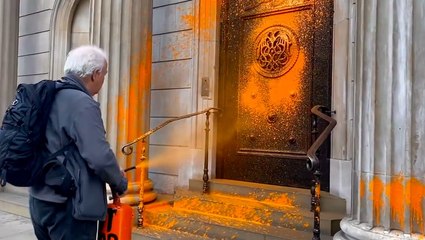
x=377, y=187
x=417, y=189
x=258, y=211
x=231, y=209
x=281, y=199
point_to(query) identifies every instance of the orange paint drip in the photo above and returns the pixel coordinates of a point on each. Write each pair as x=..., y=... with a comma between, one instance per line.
x=417, y=189
x=377, y=187
x=141, y=77
x=399, y=198
x=131, y=103
x=205, y=24
x=121, y=120
x=403, y=196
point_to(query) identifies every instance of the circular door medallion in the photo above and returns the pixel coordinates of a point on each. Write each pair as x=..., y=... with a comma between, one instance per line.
x=277, y=51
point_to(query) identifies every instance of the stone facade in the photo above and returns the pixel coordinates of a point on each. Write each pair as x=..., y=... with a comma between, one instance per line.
x=8, y=52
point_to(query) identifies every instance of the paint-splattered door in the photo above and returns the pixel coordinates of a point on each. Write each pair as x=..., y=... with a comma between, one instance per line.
x=275, y=58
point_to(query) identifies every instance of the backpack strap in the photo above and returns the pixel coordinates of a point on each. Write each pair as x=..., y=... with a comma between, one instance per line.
x=61, y=151
x=51, y=160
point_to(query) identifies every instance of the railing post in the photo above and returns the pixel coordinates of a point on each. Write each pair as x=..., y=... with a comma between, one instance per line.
x=141, y=205
x=315, y=204
x=313, y=163
x=205, y=178
x=315, y=188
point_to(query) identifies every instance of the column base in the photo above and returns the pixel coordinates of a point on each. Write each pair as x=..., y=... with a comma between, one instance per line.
x=352, y=230
x=133, y=198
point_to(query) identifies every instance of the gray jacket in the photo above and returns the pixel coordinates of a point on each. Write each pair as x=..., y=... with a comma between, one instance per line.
x=75, y=116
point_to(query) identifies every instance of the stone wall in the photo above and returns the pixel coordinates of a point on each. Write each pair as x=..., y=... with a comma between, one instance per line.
x=34, y=40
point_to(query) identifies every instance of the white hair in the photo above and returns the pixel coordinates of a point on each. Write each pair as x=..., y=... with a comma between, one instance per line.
x=85, y=60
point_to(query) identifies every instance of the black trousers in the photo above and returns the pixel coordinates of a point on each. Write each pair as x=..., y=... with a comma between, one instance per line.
x=54, y=221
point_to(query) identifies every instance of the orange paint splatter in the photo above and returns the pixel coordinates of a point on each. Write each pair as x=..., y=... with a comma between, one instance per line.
x=286, y=90
x=376, y=186
x=402, y=195
x=206, y=23
x=251, y=98
x=417, y=189
x=131, y=103
x=230, y=209
x=281, y=199
x=188, y=20
x=399, y=198
x=283, y=92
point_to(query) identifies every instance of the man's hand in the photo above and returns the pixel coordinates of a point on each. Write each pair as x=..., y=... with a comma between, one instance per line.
x=122, y=188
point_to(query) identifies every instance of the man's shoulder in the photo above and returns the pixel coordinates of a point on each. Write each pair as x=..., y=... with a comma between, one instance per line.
x=74, y=97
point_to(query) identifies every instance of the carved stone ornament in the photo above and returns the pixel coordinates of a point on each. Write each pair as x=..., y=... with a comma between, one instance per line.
x=277, y=51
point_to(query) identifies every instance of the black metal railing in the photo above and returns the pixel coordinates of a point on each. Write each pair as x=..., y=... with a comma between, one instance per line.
x=127, y=149
x=313, y=163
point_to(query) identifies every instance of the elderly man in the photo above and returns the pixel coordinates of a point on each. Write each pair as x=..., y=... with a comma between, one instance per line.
x=75, y=120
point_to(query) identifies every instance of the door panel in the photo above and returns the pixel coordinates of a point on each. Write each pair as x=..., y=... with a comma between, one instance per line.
x=269, y=81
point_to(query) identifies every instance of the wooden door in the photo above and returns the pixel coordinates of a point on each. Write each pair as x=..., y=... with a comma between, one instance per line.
x=275, y=58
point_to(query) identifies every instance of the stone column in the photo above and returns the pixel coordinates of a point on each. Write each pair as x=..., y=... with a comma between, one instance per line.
x=124, y=29
x=389, y=168
x=9, y=25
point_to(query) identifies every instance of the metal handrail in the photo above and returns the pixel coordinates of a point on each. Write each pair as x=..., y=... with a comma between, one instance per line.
x=163, y=124
x=313, y=162
x=127, y=149
x=313, y=165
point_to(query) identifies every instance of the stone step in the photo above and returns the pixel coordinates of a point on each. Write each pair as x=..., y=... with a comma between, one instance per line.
x=272, y=193
x=219, y=227
x=150, y=232
x=260, y=212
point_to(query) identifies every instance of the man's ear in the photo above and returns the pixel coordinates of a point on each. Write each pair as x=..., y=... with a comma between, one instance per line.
x=94, y=74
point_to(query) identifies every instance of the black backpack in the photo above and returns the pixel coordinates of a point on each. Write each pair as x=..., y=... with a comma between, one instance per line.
x=22, y=135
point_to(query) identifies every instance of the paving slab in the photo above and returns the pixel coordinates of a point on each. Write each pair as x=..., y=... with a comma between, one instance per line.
x=14, y=227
